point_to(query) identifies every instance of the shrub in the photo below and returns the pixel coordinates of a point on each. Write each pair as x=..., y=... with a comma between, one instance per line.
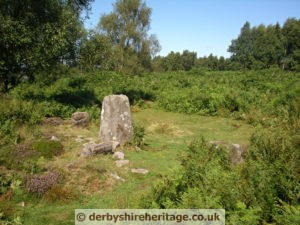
x=272, y=170
x=205, y=181
x=39, y=184
x=265, y=189
x=138, y=136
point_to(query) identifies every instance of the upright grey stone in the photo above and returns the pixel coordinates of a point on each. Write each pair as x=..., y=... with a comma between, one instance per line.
x=116, y=122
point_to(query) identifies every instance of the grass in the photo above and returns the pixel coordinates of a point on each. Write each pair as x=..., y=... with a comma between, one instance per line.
x=167, y=137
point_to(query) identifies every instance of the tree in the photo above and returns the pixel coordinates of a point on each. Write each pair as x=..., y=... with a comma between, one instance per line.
x=241, y=48
x=127, y=26
x=291, y=33
x=96, y=52
x=173, y=61
x=264, y=46
x=188, y=59
x=36, y=35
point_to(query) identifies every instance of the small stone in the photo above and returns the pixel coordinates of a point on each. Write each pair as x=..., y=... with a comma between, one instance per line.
x=118, y=155
x=80, y=118
x=79, y=139
x=140, y=170
x=121, y=162
x=116, y=176
x=53, y=138
x=22, y=204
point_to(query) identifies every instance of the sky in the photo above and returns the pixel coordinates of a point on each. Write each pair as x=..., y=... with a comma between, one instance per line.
x=204, y=26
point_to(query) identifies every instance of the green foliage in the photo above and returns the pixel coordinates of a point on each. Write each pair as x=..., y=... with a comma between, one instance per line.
x=263, y=46
x=37, y=36
x=250, y=193
x=127, y=27
x=205, y=180
x=272, y=167
x=254, y=192
x=96, y=52
x=48, y=149
x=138, y=136
x=263, y=189
x=287, y=214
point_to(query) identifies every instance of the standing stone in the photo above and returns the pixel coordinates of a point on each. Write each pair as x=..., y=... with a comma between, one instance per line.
x=116, y=122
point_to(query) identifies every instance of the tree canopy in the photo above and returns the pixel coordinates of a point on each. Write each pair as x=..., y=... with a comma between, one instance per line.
x=127, y=27
x=264, y=46
x=36, y=35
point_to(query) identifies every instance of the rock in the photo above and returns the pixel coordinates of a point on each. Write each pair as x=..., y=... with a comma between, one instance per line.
x=22, y=204
x=237, y=153
x=79, y=139
x=116, y=124
x=80, y=118
x=121, y=162
x=115, y=144
x=118, y=155
x=116, y=176
x=94, y=149
x=53, y=138
x=218, y=144
x=140, y=170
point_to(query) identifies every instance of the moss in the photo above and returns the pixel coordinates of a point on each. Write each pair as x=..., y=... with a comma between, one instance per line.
x=48, y=149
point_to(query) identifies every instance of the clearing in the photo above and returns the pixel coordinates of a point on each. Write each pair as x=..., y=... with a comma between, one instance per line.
x=90, y=180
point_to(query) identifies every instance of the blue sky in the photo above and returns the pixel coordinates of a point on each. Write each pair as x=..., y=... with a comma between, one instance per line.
x=204, y=26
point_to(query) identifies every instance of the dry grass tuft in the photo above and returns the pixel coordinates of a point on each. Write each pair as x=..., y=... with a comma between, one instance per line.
x=165, y=128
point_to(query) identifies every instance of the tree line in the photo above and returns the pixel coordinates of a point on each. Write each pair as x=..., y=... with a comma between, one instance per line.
x=258, y=47
x=37, y=38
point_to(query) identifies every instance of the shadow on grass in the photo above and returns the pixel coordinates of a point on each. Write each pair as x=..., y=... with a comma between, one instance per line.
x=136, y=95
x=78, y=98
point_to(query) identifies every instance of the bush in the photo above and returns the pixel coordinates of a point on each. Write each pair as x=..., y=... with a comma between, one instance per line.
x=272, y=170
x=205, y=181
x=14, y=112
x=265, y=189
x=138, y=136
x=39, y=184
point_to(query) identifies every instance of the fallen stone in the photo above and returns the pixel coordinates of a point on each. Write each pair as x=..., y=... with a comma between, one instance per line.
x=118, y=155
x=94, y=149
x=116, y=176
x=116, y=124
x=80, y=118
x=121, y=162
x=140, y=170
